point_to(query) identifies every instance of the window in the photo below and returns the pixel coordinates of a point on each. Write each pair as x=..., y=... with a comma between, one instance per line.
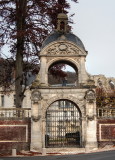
x=2, y=100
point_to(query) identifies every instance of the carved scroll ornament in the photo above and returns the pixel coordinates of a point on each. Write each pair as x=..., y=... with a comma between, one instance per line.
x=36, y=118
x=62, y=49
x=36, y=96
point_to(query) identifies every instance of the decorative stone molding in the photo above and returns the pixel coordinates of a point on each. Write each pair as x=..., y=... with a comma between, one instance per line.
x=71, y=98
x=89, y=84
x=77, y=59
x=36, y=118
x=90, y=118
x=62, y=48
x=90, y=96
x=36, y=96
x=80, y=98
x=50, y=59
x=72, y=60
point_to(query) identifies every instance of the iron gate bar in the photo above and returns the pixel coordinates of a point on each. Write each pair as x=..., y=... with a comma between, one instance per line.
x=63, y=125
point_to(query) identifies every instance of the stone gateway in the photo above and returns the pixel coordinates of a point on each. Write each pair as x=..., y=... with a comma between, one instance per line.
x=63, y=116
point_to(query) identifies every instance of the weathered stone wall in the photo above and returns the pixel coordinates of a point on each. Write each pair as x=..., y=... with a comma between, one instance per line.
x=101, y=80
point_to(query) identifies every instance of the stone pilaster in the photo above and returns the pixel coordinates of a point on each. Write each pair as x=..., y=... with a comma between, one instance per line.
x=42, y=73
x=36, y=129
x=91, y=128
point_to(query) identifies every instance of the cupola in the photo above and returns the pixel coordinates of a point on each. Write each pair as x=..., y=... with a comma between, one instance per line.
x=62, y=22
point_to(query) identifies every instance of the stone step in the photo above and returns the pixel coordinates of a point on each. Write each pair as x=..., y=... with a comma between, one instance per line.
x=65, y=150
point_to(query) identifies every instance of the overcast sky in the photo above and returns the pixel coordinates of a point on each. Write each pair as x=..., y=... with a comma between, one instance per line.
x=95, y=26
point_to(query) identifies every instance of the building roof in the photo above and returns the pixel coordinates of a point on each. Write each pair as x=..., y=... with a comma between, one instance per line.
x=56, y=35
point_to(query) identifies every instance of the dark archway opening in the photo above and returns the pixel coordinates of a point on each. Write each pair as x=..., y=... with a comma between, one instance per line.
x=63, y=73
x=63, y=125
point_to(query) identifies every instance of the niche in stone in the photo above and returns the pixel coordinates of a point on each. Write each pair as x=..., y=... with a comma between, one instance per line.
x=63, y=73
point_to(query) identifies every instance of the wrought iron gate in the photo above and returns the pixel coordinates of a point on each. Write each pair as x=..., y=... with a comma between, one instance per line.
x=63, y=125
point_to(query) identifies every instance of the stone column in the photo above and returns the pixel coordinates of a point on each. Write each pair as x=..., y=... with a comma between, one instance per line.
x=91, y=121
x=36, y=129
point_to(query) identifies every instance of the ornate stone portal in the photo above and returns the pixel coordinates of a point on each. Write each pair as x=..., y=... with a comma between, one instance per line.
x=63, y=46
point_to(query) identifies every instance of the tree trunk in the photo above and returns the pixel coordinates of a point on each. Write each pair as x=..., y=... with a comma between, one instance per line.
x=20, y=14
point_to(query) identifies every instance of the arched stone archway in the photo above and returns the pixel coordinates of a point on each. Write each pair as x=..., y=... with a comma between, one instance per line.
x=68, y=48
x=78, y=101
x=62, y=51
x=72, y=61
x=70, y=71
x=63, y=125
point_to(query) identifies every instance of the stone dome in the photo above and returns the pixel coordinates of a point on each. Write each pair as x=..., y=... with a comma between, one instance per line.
x=68, y=36
x=62, y=16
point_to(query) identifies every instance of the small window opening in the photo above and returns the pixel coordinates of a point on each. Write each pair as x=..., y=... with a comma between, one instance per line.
x=62, y=25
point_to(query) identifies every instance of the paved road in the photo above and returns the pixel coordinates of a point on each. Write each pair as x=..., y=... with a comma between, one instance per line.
x=110, y=155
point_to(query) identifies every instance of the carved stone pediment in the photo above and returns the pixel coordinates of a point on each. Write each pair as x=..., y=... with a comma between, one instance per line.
x=62, y=49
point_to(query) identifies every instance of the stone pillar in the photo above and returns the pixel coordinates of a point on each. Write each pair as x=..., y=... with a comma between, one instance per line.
x=42, y=74
x=83, y=131
x=36, y=129
x=43, y=132
x=82, y=73
x=91, y=121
